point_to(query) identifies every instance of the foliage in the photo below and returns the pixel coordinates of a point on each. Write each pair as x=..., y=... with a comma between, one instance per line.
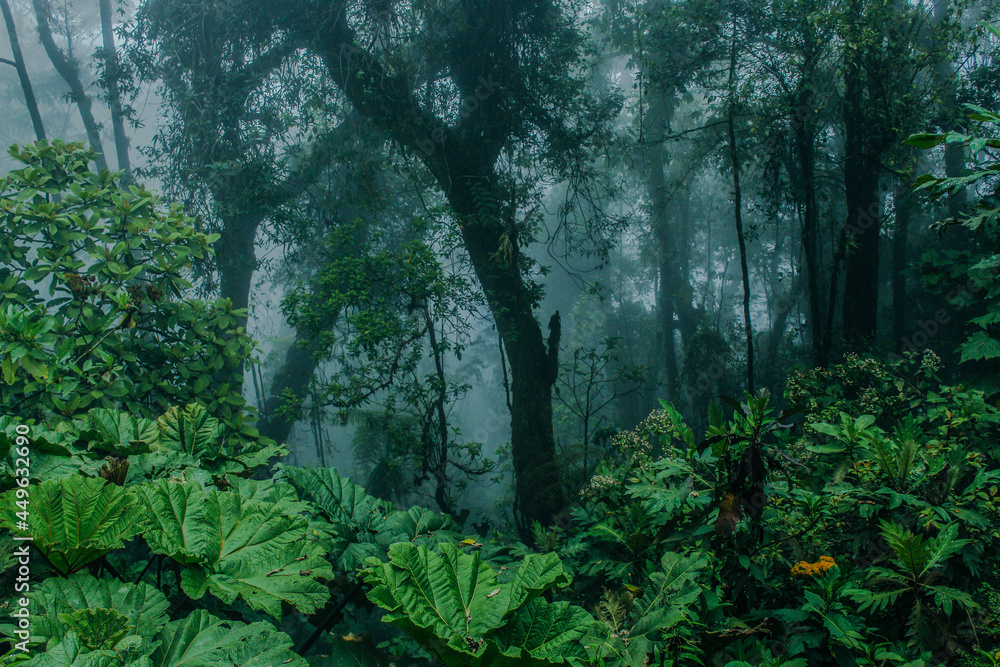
x=359, y=525
x=967, y=277
x=387, y=314
x=74, y=520
x=128, y=450
x=852, y=538
x=456, y=607
x=93, y=306
x=254, y=549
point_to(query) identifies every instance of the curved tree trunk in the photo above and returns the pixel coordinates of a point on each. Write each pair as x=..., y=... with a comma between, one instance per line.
x=22, y=72
x=462, y=159
x=69, y=70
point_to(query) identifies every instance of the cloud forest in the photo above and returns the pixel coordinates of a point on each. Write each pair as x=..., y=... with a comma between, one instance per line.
x=500, y=333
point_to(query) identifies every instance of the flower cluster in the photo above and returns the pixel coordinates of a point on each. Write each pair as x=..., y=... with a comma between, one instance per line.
x=931, y=361
x=597, y=484
x=658, y=422
x=804, y=569
x=632, y=445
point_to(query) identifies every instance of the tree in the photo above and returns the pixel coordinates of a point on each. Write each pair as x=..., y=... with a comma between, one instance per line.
x=496, y=94
x=226, y=147
x=110, y=78
x=94, y=310
x=888, y=75
x=379, y=307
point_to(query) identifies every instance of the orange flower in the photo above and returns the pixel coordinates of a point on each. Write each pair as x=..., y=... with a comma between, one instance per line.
x=806, y=569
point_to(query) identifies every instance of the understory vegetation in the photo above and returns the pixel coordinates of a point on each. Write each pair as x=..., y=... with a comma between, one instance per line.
x=857, y=526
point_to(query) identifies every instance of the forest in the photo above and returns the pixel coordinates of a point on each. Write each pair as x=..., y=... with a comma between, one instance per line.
x=489, y=333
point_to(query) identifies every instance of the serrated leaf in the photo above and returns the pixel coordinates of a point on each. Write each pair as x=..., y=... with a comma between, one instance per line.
x=980, y=346
x=143, y=607
x=76, y=520
x=453, y=605
x=236, y=547
x=120, y=433
x=190, y=430
x=202, y=640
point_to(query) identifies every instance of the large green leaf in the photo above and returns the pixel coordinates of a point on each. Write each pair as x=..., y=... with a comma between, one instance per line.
x=235, y=547
x=363, y=526
x=669, y=592
x=98, y=629
x=72, y=652
x=190, y=430
x=540, y=633
x=339, y=499
x=202, y=640
x=76, y=520
x=119, y=433
x=141, y=607
x=453, y=605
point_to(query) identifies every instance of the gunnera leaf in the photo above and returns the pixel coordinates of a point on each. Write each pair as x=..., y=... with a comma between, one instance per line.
x=75, y=520
x=235, y=547
x=452, y=604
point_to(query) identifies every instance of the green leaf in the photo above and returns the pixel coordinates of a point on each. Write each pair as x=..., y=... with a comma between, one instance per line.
x=236, y=547
x=120, y=433
x=925, y=140
x=97, y=628
x=544, y=634
x=453, y=605
x=143, y=607
x=980, y=346
x=357, y=518
x=190, y=430
x=669, y=593
x=202, y=640
x=76, y=520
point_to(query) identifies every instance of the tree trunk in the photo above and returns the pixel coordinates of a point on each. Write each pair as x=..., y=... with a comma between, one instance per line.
x=235, y=253
x=899, y=263
x=299, y=366
x=538, y=491
x=462, y=160
x=954, y=154
x=778, y=324
x=863, y=223
x=69, y=70
x=805, y=143
x=22, y=72
x=658, y=116
x=111, y=73
x=293, y=377
x=738, y=212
